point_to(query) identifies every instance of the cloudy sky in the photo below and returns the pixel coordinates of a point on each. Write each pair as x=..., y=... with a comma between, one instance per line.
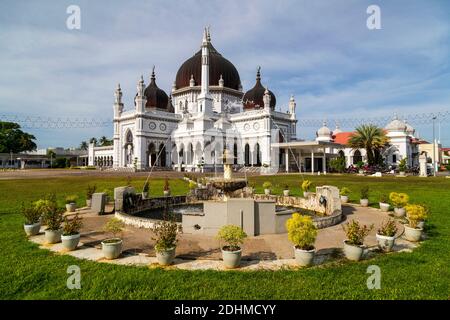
x=320, y=51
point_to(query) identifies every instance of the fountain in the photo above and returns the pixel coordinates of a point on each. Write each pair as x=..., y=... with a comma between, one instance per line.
x=228, y=184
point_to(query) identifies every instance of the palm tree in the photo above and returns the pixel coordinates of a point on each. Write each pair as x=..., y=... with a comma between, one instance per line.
x=371, y=138
x=104, y=141
x=84, y=145
x=93, y=140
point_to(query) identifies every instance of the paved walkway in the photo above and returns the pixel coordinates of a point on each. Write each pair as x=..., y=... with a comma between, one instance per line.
x=203, y=252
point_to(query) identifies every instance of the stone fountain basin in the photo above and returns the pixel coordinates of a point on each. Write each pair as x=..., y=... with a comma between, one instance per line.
x=227, y=185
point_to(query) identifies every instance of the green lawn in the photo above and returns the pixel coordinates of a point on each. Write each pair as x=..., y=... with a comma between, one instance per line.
x=27, y=272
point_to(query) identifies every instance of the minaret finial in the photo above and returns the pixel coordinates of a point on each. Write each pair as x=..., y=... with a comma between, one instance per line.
x=153, y=73
x=208, y=34
x=258, y=73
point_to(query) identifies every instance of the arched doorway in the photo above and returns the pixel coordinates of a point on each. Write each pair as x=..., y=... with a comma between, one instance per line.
x=258, y=155
x=357, y=157
x=151, y=152
x=247, y=155
x=235, y=153
x=162, y=155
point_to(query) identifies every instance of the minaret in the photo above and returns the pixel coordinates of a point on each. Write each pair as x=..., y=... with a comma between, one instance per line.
x=266, y=99
x=141, y=100
x=205, y=100
x=292, y=106
x=118, y=105
x=139, y=142
x=118, y=108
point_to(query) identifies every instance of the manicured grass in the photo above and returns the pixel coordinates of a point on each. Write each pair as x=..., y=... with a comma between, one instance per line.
x=27, y=272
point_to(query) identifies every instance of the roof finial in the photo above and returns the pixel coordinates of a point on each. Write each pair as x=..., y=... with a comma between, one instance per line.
x=258, y=73
x=205, y=36
x=208, y=34
x=153, y=73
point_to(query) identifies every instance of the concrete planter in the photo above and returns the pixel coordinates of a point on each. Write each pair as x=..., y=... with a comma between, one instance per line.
x=286, y=193
x=352, y=252
x=70, y=242
x=165, y=257
x=385, y=243
x=53, y=236
x=70, y=207
x=364, y=202
x=166, y=193
x=32, y=229
x=413, y=234
x=344, y=199
x=88, y=202
x=267, y=192
x=112, y=248
x=399, y=212
x=231, y=259
x=384, y=206
x=304, y=258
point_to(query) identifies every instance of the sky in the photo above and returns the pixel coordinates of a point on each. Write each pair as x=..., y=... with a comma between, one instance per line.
x=322, y=52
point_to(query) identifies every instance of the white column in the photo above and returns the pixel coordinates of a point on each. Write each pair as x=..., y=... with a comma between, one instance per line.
x=324, y=162
x=312, y=161
x=287, y=160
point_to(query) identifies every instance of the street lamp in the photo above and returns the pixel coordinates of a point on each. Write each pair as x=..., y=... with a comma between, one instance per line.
x=434, y=150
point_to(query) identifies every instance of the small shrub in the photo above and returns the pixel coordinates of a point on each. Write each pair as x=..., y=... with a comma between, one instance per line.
x=166, y=184
x=360, y=164
x=90, y=190
x=71, y=199
x=402, y=166
x=365, y=192
x=415, y=214
x=384, y=198
x=267, y=185
x=301, y=231
x=399, y=200
x=72, y=226
x=31, y=214
x=345, y=191
x=232, y=235
x=388, y=228
x=192, y=185
x=306, y=185
x=52, y=215
x=114, y=226
x=165, y=232
x=356, y=233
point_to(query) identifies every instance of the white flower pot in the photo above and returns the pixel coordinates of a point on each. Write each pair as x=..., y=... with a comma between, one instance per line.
x=144, y=195
x=112, y=248
x=70, y=207
x=402, y=173
x=32, y=229
x=267, y=192
x=306, y=194
x=53, y=236
x=286, y=193
x=344, y=199
x=352, y=252
x=166, y=193
x=385, y=243
x=364, y=202
x=231, y=259
x=384, y=206
x=413, y=234
x=88, y=202
x=165, y=257
x=399, y=212
x=70, y=242
x=304, y=258
x=421, y=224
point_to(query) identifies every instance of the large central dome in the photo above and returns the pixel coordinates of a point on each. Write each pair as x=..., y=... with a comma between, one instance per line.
x=218, y=66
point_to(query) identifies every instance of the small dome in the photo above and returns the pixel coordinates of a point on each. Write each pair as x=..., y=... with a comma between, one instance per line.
x=396, y=125
x=337, y=130
x=324, y=131
x=254, y=96
x=156, y=98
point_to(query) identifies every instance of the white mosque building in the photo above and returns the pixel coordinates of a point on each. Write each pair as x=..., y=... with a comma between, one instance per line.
x=208, y=111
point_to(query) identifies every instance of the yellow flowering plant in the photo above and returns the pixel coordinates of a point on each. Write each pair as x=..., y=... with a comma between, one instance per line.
x=415, y=214
x=301, y=231
x=399, y=200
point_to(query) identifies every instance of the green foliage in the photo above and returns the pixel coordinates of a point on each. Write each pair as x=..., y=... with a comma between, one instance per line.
x=338, y=164
x=165, y=234
x=365, y=192
x=90, y=190
x=448, y=167
x=267, y=185
x=384, y=198
x=301, y=231
x=360, y=164
x=399, y=200
x=60, y=163
x=71, y=199
x=306, y=185
x=72, y=226
x=402, y=165
x=13, y=139
x=345, y=191
x=416, y=213
x=31, y=214
x=356, y=233
x=232, y=235
x=166, y=184
x=192, y=185
x=388, y=228
x=114, y=226
x=52, y=215
x=371, y=138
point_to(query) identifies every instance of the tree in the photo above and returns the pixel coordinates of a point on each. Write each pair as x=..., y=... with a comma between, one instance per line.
x=93, y=140
x=12, y=139
x=338, y=164
x=371, y=138
x=105, y=141
x=84, y=145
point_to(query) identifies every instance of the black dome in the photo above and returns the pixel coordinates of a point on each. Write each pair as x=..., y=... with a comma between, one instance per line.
x=218, y=66
x=156, y=97
x=254, y=96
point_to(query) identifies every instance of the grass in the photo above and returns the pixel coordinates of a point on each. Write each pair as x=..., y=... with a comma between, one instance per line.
x=27, y=272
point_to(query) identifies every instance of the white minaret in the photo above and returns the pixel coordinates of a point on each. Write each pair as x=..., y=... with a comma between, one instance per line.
x=139, y=143
x=118, y=108
x=140, y=99
x=205, y=100
x=292, y=106
x=266, y=100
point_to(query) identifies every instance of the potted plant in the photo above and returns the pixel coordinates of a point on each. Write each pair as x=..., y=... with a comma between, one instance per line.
x=53, y=218
x=112, y=247
x=364, y=200
x=402, y=166
x=71, y=203
x=415, y=213
x=302, y=233
x=384, y=203
x=360, y=166
x=267, y=186
x=399, y=201
x=354, y=244
x=286, y=190
x=199, y=183
x=306, y=185
x=89, y=192
x=145, y=189
x=386, y=235
x=233, y=236
x=166, y=188
x=192, y=186
x=165, y=232
x=32, y=217
x=344, y=194
x=71, y=232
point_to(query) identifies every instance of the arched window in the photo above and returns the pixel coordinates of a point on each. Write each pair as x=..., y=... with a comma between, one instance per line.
x=235, y=153
x=247, y=155
x=357, y=157
x=258, y=155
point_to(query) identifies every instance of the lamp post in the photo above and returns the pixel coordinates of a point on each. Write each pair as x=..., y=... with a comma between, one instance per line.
x=434, y=150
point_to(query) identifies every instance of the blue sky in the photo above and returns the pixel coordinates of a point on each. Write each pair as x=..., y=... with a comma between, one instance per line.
x=320, y=51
